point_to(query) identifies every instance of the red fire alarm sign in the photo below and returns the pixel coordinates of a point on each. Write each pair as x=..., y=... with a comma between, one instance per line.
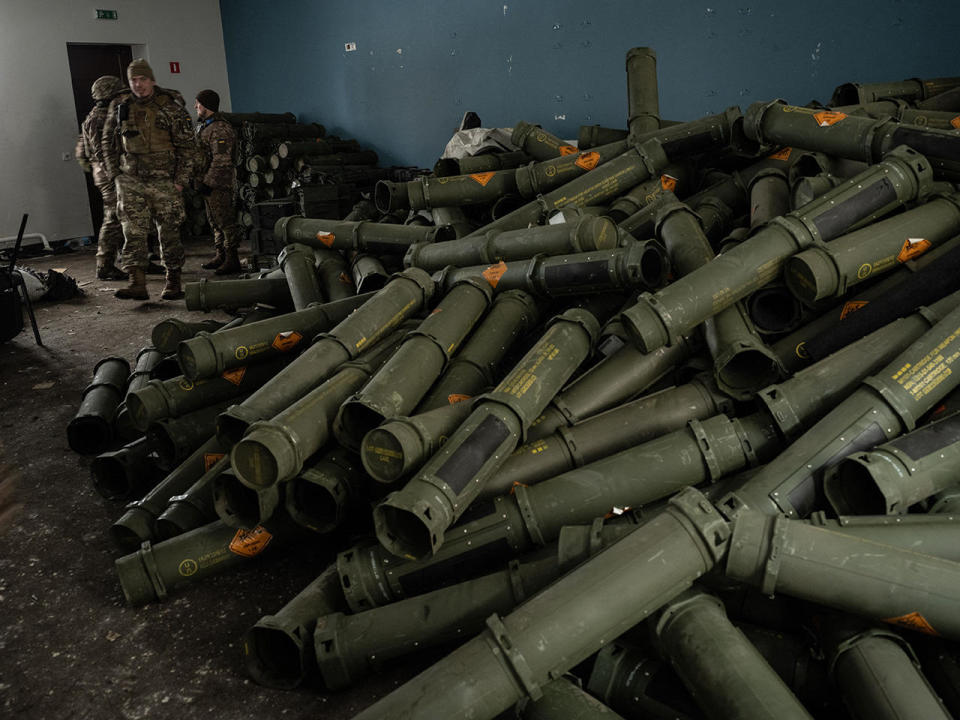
x=174, y=67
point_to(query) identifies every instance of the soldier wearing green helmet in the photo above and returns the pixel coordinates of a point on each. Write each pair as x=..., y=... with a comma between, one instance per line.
x=89, y=153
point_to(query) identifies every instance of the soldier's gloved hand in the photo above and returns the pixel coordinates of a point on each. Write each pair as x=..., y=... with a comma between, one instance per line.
x=205, y=189
x=85, y=164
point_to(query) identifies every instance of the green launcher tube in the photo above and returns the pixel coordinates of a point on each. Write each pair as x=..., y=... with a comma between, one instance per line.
x=560, y=626
x=210, y=354
x=659, y=317
x=411, y=522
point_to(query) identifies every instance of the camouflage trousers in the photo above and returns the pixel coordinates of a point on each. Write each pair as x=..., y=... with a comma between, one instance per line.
x=222, y=217
x=145, y=203
x=110, y=239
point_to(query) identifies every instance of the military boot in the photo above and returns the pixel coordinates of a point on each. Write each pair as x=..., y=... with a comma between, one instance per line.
x=109, y=271
x=137, y=289
x=172, y=289
x=217, y=261
x=231, y=263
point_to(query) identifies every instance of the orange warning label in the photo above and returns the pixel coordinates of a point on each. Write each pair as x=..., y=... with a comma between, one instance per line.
x=249, y=543
x=235, y=376
x=211, y=459
x=828, y=117
x=851, y=306
x=483, y=178
x=912, y=247
x=567, y=150
x=668, y=182
x=938, y=410
x=286, y=340
x=493, y=273
x=956, y=122
x=783, y=154
x=913, y=621
x=588, y=160
x=326, y=238
x=454, y=398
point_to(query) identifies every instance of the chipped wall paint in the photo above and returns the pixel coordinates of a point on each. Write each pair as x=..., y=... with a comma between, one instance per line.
x=558, y=63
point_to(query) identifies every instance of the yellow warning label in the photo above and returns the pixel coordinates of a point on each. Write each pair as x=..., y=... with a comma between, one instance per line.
x=286, y=340
x=326, y=238
x=913, y=621
x=454, y=398
x=483, y=178
x=241, y=352
x=851, y=306
x=588, y=160
x=384, y=455
x=493, y=273
x=668, y=182
x=567, y=150
x=186, y=385
x=235, y=376
x=801, y=350
x=913, y=247
x=249, y=543
x=828, y=117
x=783, y=154
x=956, y=122
x=211, y=459
x=188, y=567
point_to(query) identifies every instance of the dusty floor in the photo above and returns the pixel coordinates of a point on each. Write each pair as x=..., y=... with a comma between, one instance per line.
x=69, y=647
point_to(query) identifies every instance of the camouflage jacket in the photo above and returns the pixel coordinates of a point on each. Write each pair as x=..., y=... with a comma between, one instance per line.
x=217, y=141
x=153, y=142
x=89, y=148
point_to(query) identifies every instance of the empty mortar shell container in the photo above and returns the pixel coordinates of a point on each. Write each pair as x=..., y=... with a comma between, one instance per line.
x=559, y=627
x=725, y=673
x=275, y=450
x=580, y=234
x=207, y=354
x=91, y=429
x=885, y=405
x=411, y=521
x=278, y=649
x=830, y=270
x=891, y=477
x=657, y=318
x=401, y=445
x=155, y=570
x=180, y=395
x=398, y=386
x=379, y=316
x=230, y=294
x=137, y=522
x=639, y=264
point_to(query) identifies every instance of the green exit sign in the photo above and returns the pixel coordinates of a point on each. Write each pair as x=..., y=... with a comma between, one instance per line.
x=106, y=14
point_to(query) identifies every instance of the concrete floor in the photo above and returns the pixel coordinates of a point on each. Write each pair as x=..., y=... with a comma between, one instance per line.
x=69, y=647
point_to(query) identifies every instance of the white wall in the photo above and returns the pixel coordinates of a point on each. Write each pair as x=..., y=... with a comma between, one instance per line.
x=38, y=121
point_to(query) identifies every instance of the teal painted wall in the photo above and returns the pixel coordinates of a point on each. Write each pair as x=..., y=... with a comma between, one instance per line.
x=420, y=64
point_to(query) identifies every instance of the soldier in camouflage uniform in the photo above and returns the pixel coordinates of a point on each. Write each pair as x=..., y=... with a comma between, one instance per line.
x=218, y=175
x=89, y=154
x=148, y=151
